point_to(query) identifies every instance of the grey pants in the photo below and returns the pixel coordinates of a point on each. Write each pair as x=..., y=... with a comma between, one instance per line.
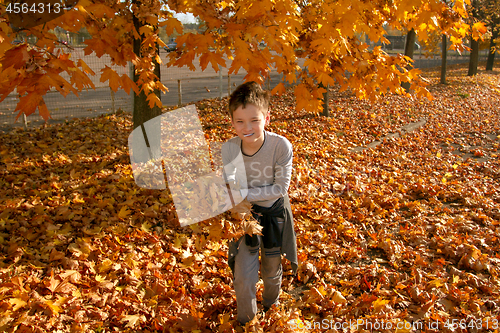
x=246, y=276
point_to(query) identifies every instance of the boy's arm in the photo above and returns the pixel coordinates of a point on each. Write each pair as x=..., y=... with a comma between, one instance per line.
x=227, y=161
x=282, y=176
x=234, y=173
x=233, y=168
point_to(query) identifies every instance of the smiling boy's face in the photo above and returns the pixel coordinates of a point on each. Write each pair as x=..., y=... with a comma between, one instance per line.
x=249, y=123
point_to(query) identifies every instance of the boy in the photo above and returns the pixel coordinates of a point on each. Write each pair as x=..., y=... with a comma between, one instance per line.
x=265, y=178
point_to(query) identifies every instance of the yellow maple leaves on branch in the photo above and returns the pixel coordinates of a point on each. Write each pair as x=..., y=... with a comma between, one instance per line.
x=339, y=40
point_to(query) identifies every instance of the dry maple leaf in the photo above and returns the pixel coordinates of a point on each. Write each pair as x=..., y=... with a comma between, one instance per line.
x=58, y=286
x=241, y=210
x=133, y=320
x=253, y=326
x=251, y=227
x=307, y=271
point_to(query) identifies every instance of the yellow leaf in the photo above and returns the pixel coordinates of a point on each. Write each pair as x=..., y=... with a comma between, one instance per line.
x=60, y=300
x=76, y=293
x=53, y=307
x=215, y=59
x=124, y=212
x=322, y=291
x=146, y=226
x=325, y=79
x=322, y=45
x=152, y=20
x=244, y=207
x=17, y=303
x=187, y=262
x=146, y=30
x=100, y=278
x=105, y=266
x=480, y=27
x=379, y=304
x=436, y=283
x=338, y=297
x=251, y=227
x=177, y=243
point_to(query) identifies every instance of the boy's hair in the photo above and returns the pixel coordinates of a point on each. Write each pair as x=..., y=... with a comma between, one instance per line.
x=249, y=93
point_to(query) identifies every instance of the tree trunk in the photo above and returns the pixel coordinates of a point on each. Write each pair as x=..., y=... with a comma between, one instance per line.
x=326, y=99
x=444, y=54
x=474, y=57
x=410, y=44
x=474, y=44
x=491, y=54
x=142, y=112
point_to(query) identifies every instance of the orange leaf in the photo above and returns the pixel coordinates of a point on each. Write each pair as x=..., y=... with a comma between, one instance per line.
x=28, y=104
x=110, y=75
x=279, y=89
x=124, y=212
x=85, y=67
x=172, y=24
x=43, y=110
x=154, y=100
x=128, y=84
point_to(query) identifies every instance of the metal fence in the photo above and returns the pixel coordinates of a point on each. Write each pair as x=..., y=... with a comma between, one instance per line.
x=184, y=86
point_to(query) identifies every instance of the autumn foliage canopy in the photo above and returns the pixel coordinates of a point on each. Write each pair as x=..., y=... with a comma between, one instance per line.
x=335, y=38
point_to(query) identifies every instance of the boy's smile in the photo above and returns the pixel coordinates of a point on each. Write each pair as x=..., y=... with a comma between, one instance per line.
x=249, y=125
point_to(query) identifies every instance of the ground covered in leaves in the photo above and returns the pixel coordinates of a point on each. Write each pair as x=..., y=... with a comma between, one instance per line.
x=402, y=237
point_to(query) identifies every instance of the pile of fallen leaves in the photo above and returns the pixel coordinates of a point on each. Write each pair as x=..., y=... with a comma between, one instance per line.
x=396, y=236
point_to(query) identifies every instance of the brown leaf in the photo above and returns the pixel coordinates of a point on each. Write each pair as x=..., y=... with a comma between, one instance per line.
x=56, y=255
